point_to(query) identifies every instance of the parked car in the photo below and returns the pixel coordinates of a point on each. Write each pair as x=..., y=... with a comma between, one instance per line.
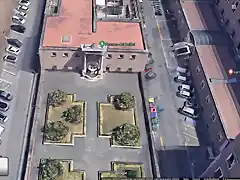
x=191, y=104
x=24, y=3
x=183, y=71
x=14, y=42
x=18, y=28
x=189, y=112
x=182, y=79
x=22, y=8
x=150, y=75
x=182, y=51
x=186, y=87
x=1, y=130
x=12, y=49
x=4, y=106
x=6, y=95
x=21, y=14
x=190, y=121
x=18, y=20
x=3, y=118
x=185, y=94
x=158, y=13
x=10, y=58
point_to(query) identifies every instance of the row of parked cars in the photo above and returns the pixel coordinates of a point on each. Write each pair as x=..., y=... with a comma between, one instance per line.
x=13, y=49
x=18, y=20
x=185, y=90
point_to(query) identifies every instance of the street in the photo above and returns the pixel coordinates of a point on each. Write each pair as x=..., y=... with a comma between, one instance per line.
x=175, y=141
x=18, y=80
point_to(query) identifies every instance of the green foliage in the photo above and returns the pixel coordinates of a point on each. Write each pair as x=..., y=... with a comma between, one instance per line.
x=124, y=101
x=126, y=135
x=55, y=131
x=50, y=169
x=131, y=173
x=56, y=98
x=73, y=114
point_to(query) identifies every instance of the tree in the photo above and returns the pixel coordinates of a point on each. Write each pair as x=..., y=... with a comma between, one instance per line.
x=56, y=98
x=55, y=131
x=50, y=169
x=126, y=135
x=124, y=101
x=73, y=114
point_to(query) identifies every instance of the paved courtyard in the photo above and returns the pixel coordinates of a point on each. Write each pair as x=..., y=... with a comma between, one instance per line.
x=92, y=153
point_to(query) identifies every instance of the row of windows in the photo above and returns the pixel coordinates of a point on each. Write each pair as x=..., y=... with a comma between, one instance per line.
x=230, y=161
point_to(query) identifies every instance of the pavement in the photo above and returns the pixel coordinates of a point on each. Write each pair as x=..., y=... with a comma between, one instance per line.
x=18, y=80
x=90, y=153
x=177, y=143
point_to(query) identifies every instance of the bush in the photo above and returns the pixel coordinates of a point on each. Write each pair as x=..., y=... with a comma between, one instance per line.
x=126, y=135
x=50, y=169
x=55, y=131
x=56, y=98
x=124, y=101
x=73, y=114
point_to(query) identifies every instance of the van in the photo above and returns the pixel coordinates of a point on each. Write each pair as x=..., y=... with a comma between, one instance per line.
x=1, y=129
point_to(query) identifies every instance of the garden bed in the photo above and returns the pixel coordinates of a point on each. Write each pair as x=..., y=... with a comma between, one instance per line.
x=54, y=114
x=118, y=170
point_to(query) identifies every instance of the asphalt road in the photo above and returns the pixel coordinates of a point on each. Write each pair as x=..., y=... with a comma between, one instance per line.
x=90, y=153
x=18, y=80
x=175, y=140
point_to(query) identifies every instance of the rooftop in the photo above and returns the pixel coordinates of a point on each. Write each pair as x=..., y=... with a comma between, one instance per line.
x=75, y=21
x=215, y=60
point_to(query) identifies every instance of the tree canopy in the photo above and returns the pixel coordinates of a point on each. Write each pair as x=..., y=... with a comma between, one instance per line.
x=124, y=101
x=55, y=131
x=50, y=169
x=73, y=114
x=126, y=135
x=56, y=98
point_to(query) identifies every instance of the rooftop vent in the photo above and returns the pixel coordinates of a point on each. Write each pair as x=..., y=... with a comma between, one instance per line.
x=66, y=39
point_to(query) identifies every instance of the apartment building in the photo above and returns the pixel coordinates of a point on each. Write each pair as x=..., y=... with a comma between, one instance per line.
x=209, y=64
x=73, y=31
x=227, y=163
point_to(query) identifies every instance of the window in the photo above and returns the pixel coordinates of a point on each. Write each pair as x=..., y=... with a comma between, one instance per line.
x=222, y=12
x=109, y=56
x=208, y=99
x=132, y=57
x=129, y=70
x=238, y=46
x=65, y=55
x=207, y=126
x=220, y=136
x=231, y=161
x=198, y=70
x=226, y=23
x=202, y=84
x=218, y=173
x=53, y=54
x=118, y=69
x=213, y=117
x=121, y=56
x=232, y=33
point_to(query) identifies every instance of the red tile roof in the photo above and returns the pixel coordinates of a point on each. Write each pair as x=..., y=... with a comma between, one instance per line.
x=75, y=20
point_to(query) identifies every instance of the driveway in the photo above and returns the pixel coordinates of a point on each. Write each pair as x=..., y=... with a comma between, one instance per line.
x=92, y=153
x=18, y=79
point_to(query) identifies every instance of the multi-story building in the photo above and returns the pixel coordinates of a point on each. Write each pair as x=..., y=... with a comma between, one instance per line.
x=210, y=63
x=73, y=31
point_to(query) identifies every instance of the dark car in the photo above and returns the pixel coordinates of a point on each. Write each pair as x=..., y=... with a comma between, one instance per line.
x=10, y=58
x=4, y=106
x=188, y=112
x=5, y=95
x=191, y=104
x=158, y=13
x=14, y=42
x=18, y=28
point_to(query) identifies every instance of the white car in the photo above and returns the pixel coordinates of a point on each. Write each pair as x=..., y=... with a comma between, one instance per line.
x=21, y=14
x=1, y=129
x=10, y=58
x=13, y=50
x=22, y=8
x=17, y=19
x=182, y=51
x=24, y=2
x=3, y=118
